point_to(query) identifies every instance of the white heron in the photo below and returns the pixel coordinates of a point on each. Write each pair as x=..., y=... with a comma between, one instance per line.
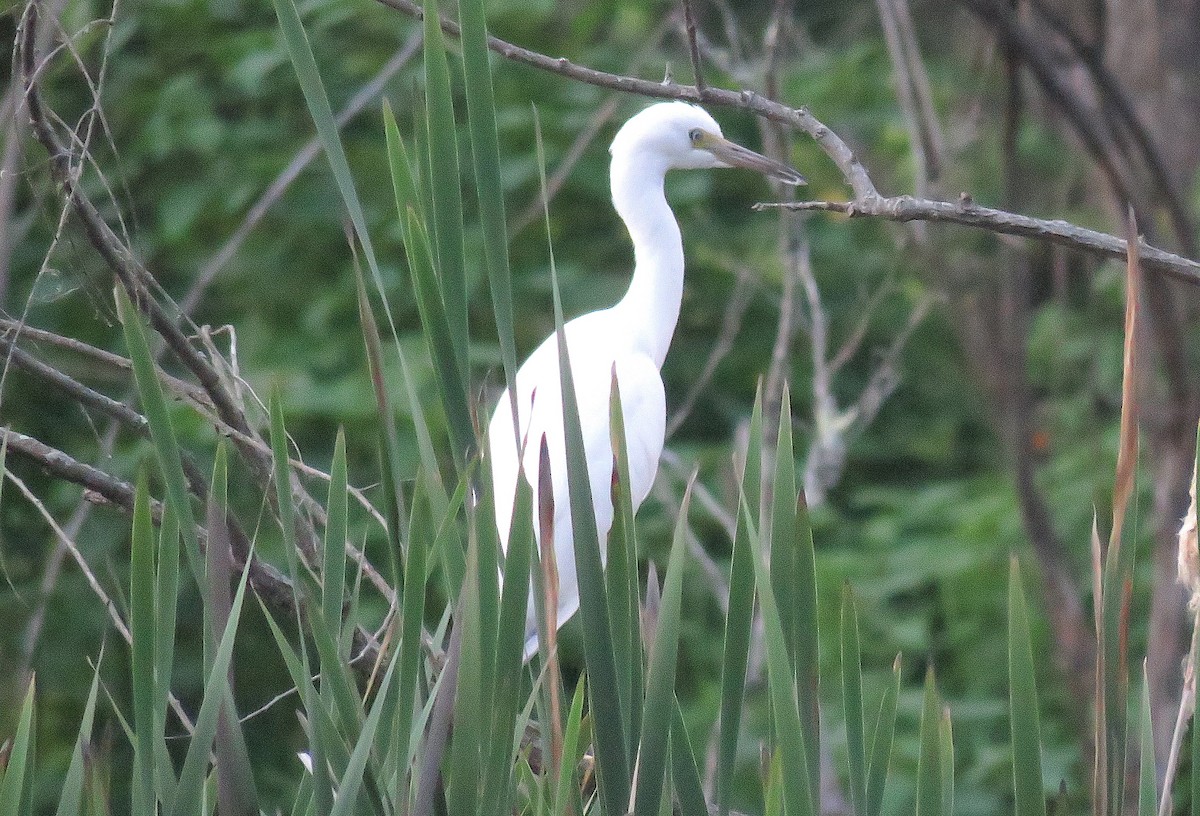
x=631, y=337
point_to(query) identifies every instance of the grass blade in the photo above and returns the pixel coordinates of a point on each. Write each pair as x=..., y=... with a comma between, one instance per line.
x=1119, y=559
x=70, y=801
x=852, y=702
x=782, y=532
x=71, y=798
x=564, y=790
x=685, y=770
x=393, y=473
x=946, y=748
x=20, y=760
x=189, y=798
x=485, y=150
x=469, y=731
x=356, y=768
x=447, y=193
x=660, y=681
x=1194, y=810
x=142, y=627
x=798, y=796
x=236, y=795
x=794, y=581
x=930, y=800
x=1024, y=722
x=309, y=77
x=1147, y=778
x=621, y=574
x=162, y=432
x=881, y=743
x=510, y=645
x=738, y=618
x=166, y=606
x=440, y=337
x=334, y=555
x=190, y=795
x=411, y=618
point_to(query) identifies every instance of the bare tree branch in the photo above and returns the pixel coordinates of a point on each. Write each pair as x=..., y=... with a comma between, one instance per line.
x=969, y=214
x=689, y=22
x=867, y=200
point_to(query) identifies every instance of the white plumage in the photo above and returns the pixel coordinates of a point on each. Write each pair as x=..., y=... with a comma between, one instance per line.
x=633, y=336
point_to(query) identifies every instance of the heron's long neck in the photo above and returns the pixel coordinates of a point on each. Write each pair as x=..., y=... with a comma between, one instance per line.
x=651, y=306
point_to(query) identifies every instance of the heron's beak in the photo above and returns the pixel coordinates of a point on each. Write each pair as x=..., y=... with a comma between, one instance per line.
x=734, y=155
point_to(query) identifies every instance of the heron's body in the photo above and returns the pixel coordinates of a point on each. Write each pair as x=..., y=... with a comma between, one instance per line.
x=632, y=338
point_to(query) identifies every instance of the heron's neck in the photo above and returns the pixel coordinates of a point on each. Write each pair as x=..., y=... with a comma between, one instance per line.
x=651, y=306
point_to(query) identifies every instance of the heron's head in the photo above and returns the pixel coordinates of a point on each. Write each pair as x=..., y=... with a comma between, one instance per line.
x=679, y=135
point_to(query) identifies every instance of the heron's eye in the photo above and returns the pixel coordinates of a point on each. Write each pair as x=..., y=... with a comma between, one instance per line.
x=695, y=134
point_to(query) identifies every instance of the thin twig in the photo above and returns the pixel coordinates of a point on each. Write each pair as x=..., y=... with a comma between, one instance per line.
x=109, y=605
x=184, y=390
x=853, y=342
x=969, y=214
x=689, y=22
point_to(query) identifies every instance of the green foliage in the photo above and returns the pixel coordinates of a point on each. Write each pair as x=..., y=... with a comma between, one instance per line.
x=204, y=109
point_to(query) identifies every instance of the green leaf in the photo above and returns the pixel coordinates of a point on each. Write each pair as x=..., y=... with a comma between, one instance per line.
x=320, y=727
x=1195, y=804
x=794, y=581
x=738, y=617
x=485, y=151
x=564, y=789
x=798, y=795
x=946, y=739
x=440, y=338
x=660, y=682
x=852, y=702
x=235, y=782
x=411, y=619
x=142, y=627
x=447, y=193
x=334, y=560
x=20, y=760
x=166, y=447
x=1024, y=722
x=190, y=794
x=621, y=575
x=305, y=65
x=470, y=731
x=393, y=473
x=356, y=768
x=510, y=645
x=685, y=770
x=166, y=603
x=70, y=801
x=782, y=533
x=881, y=743
x=929, y=762
x=1147, y=779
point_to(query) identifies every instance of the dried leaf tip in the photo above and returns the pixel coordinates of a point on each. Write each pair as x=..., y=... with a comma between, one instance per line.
x=1189, y=551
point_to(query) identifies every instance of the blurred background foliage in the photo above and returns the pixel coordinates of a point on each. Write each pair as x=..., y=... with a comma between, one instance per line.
x=201, y=111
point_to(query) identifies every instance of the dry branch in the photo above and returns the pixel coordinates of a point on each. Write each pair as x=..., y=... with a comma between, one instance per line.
x=143, y=290
x=867, y=200
x=969, y=214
